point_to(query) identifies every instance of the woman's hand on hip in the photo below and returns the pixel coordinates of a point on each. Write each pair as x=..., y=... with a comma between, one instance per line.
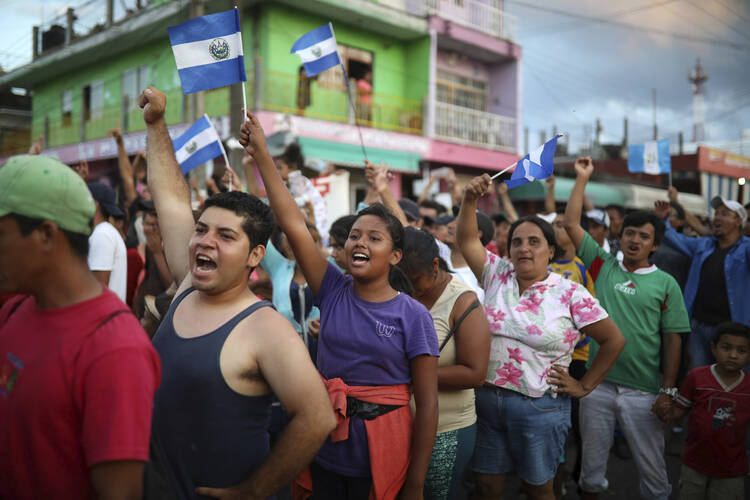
x=564, y=383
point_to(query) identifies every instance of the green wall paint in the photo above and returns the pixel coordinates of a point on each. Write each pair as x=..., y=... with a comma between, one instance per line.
x=399, y=77
x=400, y=80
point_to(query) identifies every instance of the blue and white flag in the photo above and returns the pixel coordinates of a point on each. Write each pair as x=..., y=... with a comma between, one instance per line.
x=197, y=145
x=318, y=50
x=651, y=157
x=538, y=164
x=208, y=51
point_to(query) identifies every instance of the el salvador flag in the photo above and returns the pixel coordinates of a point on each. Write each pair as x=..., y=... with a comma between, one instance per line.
x=318, y=50
x=651, y=157
x=538, y=164
x=197, y=145
x=208, y=51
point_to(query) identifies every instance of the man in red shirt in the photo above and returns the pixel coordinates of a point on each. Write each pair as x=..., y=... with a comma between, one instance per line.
x=77, y=372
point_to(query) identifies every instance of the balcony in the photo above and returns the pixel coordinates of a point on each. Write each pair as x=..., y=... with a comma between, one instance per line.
x=475, y=128
x=486, y=16
x=328, y=100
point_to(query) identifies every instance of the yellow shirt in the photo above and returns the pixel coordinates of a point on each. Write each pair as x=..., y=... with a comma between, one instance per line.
x=574, y=270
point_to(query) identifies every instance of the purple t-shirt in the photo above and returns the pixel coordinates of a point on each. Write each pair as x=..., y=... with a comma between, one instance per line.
x=366, y=343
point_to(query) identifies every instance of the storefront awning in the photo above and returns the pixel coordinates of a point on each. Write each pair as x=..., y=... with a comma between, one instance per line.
x=351, y=155
x=599, y=194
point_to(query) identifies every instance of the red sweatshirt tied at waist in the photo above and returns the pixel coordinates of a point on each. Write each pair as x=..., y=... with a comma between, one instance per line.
x=388, y=436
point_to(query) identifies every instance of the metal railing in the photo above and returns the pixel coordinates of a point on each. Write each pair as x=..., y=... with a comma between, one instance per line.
x=71, y=129
x=476, y=128
x=483, y=15
x=282, y=93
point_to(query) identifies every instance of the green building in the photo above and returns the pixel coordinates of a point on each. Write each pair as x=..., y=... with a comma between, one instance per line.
x=445, y=83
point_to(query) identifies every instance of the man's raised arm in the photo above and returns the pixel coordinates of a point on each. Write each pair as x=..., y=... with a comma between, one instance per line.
x=168, y=188
x=572, y=220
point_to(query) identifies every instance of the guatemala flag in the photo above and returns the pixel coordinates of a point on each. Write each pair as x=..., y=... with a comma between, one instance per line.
x=197, y=145
x=208, y=51
x=318, y=50
x=650, y=158
x=536, y=165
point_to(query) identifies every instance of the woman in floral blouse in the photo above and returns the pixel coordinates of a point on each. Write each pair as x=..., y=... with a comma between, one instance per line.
x=536, y=318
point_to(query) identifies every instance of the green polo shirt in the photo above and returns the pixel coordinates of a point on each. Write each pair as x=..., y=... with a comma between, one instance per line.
x=644, y=304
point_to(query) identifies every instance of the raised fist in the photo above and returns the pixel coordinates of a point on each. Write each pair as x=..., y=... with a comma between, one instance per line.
x=153, y=103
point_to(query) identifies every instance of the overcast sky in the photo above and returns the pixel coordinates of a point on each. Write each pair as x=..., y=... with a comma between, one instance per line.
x=576, y=69
x=579, y=62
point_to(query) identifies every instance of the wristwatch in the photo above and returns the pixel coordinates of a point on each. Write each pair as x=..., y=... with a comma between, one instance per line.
x=669, y=391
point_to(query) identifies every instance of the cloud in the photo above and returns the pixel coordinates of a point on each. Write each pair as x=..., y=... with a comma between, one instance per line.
x=573, y=74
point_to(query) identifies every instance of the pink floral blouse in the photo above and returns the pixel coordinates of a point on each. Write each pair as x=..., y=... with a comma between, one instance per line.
x=534, y=331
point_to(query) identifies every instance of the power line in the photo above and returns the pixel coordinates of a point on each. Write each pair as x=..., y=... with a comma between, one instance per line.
x=575, y=25
x=677, y=12
x=697, y=6
x=739, y=16
x=657, y=31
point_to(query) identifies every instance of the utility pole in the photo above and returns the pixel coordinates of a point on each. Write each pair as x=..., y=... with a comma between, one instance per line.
x=698, y=77
x=526, y=139
x=598, y=131
x=110, y=12
x=69, y=18
x=653, y=99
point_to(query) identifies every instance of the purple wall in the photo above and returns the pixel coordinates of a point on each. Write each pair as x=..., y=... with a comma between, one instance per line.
x=504, y=98
x=461, y=64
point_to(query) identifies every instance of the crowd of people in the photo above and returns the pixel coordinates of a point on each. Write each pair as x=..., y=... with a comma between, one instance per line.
x=408, y=350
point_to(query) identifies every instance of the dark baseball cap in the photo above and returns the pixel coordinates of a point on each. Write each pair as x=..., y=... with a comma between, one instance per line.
x=410, y=208
x=106, y=197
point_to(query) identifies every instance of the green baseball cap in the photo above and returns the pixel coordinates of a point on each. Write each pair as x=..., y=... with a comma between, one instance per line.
x=42, y=187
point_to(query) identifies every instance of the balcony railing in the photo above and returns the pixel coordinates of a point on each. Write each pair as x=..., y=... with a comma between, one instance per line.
x=483, y=15
x=476, y=128
x=282, y=93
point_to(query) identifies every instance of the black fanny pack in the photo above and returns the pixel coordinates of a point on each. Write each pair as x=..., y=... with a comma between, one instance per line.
x=367, y=411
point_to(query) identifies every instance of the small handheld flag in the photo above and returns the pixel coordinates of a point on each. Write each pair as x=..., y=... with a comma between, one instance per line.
x=651, y=158
x=318, y=50
x=538, y=164
x=197, y=145
x=208, y=51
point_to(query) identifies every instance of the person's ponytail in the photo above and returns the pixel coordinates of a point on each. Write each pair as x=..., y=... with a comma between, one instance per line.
x=399, y=281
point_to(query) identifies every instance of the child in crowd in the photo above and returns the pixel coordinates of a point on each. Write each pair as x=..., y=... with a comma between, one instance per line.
x=714, y=464
x=375, y=346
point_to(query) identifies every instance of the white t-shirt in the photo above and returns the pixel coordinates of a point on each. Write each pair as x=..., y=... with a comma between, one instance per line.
x=465, y=275
x=107, y=253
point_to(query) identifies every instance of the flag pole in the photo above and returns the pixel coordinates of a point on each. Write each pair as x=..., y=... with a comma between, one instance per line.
x=354, y=110
x=223, y=153
x=244, y=104
x=349, y=94
x=244, y=97
x=503, y=171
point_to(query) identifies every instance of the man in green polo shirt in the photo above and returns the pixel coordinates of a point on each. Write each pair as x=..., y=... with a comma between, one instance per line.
x=646, y=304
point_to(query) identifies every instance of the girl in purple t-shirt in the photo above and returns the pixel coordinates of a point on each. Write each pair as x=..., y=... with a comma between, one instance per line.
x=371, y=336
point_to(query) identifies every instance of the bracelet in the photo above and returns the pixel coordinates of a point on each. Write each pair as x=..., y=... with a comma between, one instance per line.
x=669, y=391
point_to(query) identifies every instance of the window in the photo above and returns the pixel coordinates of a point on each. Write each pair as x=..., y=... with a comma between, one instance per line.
x=134, y=81
x=357, y=62
x=462, y=91
x=93, y=100
x=67, y=107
